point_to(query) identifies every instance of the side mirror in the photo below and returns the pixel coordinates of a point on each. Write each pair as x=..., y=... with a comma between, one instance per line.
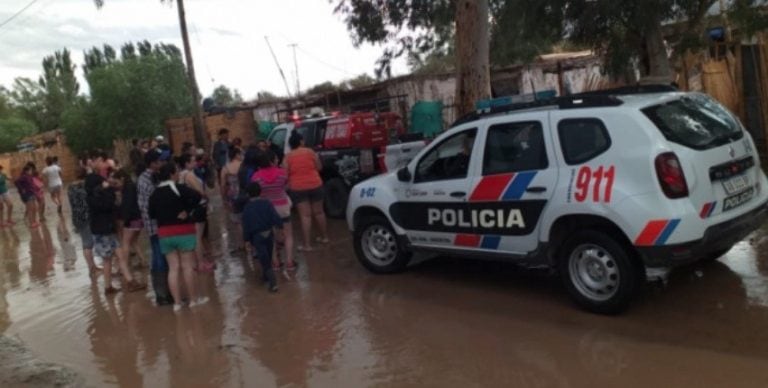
x=403, y=175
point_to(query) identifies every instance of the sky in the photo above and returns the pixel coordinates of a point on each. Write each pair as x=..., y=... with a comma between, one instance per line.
x=227, y=38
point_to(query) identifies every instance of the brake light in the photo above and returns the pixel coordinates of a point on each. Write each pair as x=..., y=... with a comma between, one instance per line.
x=671, y=176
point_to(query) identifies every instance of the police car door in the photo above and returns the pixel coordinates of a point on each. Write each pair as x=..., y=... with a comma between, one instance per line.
x=432, y=208
x=513, y=185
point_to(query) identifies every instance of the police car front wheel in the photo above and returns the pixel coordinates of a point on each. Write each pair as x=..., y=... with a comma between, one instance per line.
x=377, y=247
x=598, y=272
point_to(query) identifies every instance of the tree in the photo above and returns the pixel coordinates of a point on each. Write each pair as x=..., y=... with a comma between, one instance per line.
x=59, y=87
x=13, y=125
x=130, y=97
x=266, y=96
x=225, y=97
x=323, y=88
x=360, y=81
x=420, y=27
x=194, y=91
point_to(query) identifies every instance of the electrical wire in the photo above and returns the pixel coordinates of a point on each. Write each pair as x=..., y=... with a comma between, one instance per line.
x=6, y=21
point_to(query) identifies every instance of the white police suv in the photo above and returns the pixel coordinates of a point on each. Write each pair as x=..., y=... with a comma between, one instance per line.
x=599, y=186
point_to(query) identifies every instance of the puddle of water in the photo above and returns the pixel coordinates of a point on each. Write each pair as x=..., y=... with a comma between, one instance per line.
x=449, y=323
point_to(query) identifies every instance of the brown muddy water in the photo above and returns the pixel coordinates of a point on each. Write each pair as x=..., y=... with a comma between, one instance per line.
x=444, y=323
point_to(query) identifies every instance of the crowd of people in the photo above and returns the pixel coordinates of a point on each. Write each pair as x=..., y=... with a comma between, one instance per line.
x=167, y=197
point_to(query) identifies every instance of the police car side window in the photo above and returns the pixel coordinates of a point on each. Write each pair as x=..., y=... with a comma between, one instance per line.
x=448, y=160
x=582, y=139
x=512, y=147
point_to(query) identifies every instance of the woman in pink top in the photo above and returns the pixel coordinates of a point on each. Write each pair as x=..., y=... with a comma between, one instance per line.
x=306, y=188
x=273, y=181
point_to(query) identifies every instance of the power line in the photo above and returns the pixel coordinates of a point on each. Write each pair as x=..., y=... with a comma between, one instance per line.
x=23, y=22
x=6, y=21
x=322, y=62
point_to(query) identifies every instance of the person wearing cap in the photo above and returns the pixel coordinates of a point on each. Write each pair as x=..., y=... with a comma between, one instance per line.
x=153, y=160
x=161, y=144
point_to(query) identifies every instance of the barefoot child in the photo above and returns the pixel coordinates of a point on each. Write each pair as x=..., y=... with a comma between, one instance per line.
x=260, y=225
x=5, y=201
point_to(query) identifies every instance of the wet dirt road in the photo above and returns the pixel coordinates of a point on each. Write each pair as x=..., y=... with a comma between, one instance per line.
x=445, y=323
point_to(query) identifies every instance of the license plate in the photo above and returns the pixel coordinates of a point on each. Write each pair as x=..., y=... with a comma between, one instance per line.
x=739, y=199
x=736, y=184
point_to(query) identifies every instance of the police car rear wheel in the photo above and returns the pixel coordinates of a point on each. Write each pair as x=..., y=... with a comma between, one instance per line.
x=377, y=247
x=598, y=272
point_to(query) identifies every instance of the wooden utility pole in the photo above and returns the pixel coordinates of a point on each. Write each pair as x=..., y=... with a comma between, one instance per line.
x=199, y=124
x=473, y=75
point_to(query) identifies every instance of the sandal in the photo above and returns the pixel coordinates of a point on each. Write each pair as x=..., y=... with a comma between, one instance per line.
x=292, y=267
x=323, y=240
x=35, y=225
x=302, y=248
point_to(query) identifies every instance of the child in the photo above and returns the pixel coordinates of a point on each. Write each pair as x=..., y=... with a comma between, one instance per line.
x=102, y=206
x=26, y=187
x=52, y=175
x=5, y=199
x=81, y=219
x=260, y=224
x=273, y=181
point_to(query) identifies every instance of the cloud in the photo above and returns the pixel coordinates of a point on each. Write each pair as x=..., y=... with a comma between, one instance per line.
x=227, y=38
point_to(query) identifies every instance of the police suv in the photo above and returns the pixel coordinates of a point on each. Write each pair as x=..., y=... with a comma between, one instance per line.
x=603, y=187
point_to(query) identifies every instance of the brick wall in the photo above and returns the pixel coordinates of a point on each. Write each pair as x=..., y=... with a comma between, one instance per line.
x=240, y=124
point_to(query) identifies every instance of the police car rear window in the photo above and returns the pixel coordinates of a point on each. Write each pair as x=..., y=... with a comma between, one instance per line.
x=695, y=121
x=582, y=139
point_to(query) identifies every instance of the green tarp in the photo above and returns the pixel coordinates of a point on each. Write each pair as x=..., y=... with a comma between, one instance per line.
x=427, y=118
x=265, y=127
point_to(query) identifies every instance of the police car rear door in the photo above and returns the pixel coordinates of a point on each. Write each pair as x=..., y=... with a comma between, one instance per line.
x=433, y=207
x=516, y=178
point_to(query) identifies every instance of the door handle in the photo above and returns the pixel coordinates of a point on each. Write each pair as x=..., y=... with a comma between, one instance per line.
x=536, y=189
x=458, y=194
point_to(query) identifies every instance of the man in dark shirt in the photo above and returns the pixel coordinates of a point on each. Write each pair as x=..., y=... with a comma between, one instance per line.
x=101, y=201
x=260, y=224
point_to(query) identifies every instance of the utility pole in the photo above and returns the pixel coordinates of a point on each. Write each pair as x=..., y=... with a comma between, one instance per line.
x=199, y=124
x=285, y=81
x=296, y=67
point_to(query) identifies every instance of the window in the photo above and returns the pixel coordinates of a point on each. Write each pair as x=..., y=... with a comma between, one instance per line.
x=313, y=132
x=695, y=121
x=278, y=138
x=514, y=147
x=582, y=139
x=448, y=160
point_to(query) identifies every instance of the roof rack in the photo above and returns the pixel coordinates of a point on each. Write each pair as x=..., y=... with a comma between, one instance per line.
x=566, y=102
x=594, y=99
x=633, y=89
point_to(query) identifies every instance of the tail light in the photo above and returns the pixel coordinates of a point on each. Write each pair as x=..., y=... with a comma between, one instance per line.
x=671, y=176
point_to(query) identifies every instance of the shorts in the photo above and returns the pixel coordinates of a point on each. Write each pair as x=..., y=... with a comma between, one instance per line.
x=54, y=189
x=87, y=237
x=137, y=224
x=314, y=195
x=284, y=211
x=183, y=243
x=27, y=197
x=105, y=245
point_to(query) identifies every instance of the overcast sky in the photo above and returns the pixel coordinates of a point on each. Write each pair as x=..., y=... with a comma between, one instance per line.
x=227, y=39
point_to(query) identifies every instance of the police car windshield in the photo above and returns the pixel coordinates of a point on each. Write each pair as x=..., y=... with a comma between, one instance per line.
x=695, y=121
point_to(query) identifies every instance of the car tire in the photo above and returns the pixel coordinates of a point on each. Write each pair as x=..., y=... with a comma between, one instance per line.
x=378, y=248
x=599, y=272
x=336, y=198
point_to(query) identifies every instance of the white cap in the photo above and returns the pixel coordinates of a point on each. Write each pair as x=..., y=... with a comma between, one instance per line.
x=160, y=138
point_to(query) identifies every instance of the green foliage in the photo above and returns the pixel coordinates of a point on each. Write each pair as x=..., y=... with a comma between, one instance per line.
x=225, y=97
x=322, y=88
x=360, y=81
x=409, y=27
x=131, y=96
x=12, y=129
x=266, y=96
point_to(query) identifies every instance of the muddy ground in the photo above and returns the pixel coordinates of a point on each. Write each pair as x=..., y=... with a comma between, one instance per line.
x=444, y=323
